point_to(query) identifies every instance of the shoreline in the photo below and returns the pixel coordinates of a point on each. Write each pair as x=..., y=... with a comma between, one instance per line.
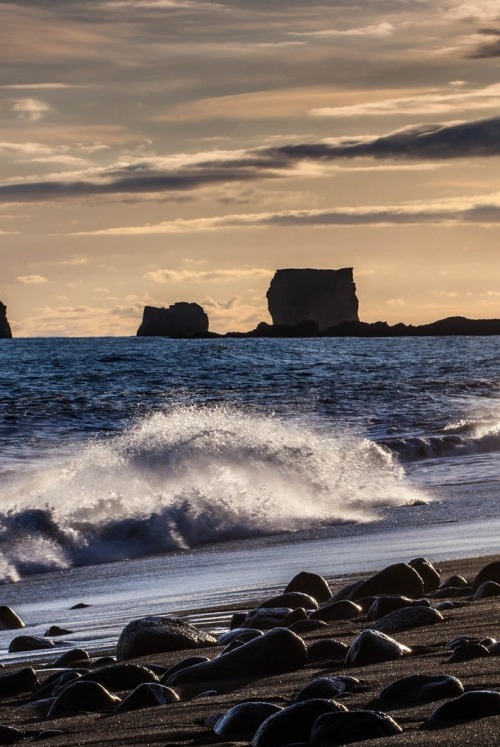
x=182, y=723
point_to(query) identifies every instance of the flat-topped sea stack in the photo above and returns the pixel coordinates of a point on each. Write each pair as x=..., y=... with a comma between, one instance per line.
x=327, y=297
x=5, y=331
x=179, y=320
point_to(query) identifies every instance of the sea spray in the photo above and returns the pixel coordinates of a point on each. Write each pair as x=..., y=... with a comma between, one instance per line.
x=189, y=476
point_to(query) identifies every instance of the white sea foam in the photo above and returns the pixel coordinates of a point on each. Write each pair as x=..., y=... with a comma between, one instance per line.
x=459, y=439
x=190, y=476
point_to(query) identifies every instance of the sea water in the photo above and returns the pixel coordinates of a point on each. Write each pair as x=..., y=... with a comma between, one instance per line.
x=227, y=464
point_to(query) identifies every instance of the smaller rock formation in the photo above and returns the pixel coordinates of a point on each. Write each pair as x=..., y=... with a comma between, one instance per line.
x=179, y=320
x=5, y=331
x=326, y=297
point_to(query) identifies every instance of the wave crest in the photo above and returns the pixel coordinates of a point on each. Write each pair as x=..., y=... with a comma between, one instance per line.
x=190, y=476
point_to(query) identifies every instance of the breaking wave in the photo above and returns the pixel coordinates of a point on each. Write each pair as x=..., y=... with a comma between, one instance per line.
x=190, y=476
x=461, y=439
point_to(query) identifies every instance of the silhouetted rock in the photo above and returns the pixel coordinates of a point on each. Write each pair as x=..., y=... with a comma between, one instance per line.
x=179, y=320
x=326, y=297
x=5, y=330
x=453, y=325
x=302, y=329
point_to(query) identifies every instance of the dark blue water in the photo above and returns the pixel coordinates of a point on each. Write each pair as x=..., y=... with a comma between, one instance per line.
x=122, y=447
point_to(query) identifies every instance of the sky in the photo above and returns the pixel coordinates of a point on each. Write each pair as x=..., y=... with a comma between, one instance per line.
x=155, y=151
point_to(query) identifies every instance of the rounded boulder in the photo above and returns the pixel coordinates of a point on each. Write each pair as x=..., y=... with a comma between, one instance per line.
x=154, y=635
x=312, y=584
x=372, y=646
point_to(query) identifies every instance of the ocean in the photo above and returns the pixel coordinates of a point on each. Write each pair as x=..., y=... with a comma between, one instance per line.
x=148, y=475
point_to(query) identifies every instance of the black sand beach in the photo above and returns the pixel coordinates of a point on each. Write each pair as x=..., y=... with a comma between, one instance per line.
x=184, y=722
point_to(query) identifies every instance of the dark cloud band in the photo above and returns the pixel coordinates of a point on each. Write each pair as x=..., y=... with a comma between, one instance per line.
x=476, y=139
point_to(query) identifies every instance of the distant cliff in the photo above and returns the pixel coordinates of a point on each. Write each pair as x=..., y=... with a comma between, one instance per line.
x=326, y=297
x=450, y=326
x=179, y=320
x=5, y=331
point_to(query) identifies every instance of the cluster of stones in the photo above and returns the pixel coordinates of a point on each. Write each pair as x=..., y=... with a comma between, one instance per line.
x=266, y=641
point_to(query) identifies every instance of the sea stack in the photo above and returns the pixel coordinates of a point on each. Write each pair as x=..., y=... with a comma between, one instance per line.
x=179, y=320
x=5, y=331
x=327, y=297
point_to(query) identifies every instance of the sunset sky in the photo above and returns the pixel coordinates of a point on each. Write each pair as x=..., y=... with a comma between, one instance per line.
x=156, y=151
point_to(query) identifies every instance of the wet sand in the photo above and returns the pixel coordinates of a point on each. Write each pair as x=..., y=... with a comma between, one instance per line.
x=183, y=723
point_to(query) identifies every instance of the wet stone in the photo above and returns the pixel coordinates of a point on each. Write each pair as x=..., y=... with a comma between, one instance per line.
x=416, y=689
x=310, y=583
x=29, y=643
x=468, y=652
x=293, y=723
x=291, y=599
x=243, y=720
x=154, y=635
x=353, y=726
x=408, y=618
x=326, y=688
x=343, y=610
x=467, y=707
x=372, y=646
x=20, y=681
x=326, y=649
x=147, y=695
x=83, y=697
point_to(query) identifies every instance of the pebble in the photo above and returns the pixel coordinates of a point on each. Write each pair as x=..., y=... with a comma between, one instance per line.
x=29, y=643
x=147, y=695
x=399, y=578
x=417, y=688
x=372, y=646
x=386, y=603
x=342, y=610
x=467, y=707
x=353, y=726
x=490, y=572
x=408, y=618
x=154, y=635
x=292, y=599
x=293, y=723
x=242, y=721
x=20, y=681
x=277, y=651
x=326, y=688
x=310, y=583
x=83, y=697
x=73, y=657
x=325, y=649
x=467, y=652
x=9, y=620
x=427, y=572
x=487, y=589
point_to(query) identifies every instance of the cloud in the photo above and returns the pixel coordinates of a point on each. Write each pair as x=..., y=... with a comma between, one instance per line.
x=41, y=86
x=32, y=279
x=153, y=177
x=475, y=209
x=430, y=103
x=141, y=5
x=76, y=260
x=490, y=48
x=482, y=10
x=379, y=30
x=30, y=109
x=395, y=302
x=199, y=276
